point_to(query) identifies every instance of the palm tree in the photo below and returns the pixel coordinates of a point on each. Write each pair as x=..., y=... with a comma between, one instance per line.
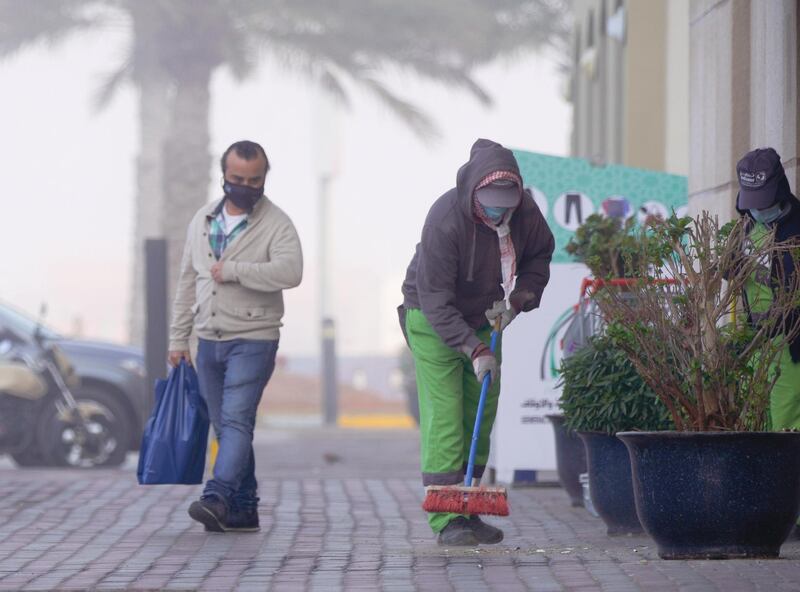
x=177, y=45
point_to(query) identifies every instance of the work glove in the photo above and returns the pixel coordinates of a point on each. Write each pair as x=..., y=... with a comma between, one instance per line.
x=484, y=362
x=501, y=311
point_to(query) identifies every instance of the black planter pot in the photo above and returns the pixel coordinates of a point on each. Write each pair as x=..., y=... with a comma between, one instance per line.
x=570, y=458
x=716, y=495
x=610, y=483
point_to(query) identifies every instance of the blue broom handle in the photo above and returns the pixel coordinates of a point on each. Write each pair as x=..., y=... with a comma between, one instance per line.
x=473, y=448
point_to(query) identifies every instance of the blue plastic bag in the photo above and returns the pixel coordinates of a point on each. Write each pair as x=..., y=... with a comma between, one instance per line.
x=175, y=437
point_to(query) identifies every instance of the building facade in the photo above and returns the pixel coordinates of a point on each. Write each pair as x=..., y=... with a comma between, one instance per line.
x=744, y=93
x=630, y=83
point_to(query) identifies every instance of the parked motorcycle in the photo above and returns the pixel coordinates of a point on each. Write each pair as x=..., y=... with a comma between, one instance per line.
x=41, y=423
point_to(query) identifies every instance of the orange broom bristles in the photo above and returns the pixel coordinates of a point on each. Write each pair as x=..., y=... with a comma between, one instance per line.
x=466, y=500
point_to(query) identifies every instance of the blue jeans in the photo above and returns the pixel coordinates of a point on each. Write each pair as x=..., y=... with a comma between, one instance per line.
x=232, y=376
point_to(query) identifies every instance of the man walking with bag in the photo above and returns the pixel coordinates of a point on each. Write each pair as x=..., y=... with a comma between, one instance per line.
x=241, y=253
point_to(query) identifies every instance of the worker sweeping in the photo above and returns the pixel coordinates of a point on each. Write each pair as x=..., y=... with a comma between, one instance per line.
x=766, y=198
x=484, y=257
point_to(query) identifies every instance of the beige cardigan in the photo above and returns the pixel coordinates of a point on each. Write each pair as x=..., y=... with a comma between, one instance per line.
x=263, y=260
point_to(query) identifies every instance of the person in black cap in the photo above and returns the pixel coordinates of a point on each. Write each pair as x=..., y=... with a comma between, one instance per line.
x=766, y=198
x=484, y=256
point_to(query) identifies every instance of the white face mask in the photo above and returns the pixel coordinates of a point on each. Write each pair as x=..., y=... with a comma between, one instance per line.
x=768, y=215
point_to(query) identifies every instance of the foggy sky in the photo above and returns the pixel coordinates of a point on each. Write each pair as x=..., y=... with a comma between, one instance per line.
x=69, y=182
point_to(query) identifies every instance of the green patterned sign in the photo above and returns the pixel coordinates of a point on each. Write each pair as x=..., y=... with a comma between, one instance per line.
x=568, y=190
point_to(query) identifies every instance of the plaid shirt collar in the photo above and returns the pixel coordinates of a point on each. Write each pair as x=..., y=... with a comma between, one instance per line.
x=217, y=238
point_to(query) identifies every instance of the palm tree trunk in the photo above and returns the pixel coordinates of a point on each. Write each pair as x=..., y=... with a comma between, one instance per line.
x=153, y=117
x=187, y=163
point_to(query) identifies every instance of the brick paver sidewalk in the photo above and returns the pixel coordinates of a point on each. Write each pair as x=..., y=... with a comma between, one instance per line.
x=339, y=511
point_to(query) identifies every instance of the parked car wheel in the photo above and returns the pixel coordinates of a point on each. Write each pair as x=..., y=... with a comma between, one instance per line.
x=29, y=458
x=106, y=422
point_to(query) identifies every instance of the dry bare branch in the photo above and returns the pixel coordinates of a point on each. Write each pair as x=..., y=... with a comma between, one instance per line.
x=683, y=325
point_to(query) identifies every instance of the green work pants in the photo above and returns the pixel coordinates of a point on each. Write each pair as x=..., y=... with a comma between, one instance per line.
x=448, y=403
x=784, y=400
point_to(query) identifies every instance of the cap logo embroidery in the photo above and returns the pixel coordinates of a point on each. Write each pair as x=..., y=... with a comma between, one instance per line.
x=748, y=179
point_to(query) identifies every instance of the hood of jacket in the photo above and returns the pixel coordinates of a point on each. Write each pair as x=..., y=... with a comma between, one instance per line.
x=485, y=157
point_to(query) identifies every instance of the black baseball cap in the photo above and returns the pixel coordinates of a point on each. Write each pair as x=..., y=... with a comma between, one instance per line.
x=502, y=193
x=761, y=179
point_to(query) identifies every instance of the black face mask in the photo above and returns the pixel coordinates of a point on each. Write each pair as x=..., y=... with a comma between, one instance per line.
x=242, y=196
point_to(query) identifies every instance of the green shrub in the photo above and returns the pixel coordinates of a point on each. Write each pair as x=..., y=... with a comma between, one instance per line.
x=602, y=244
x=604, y=393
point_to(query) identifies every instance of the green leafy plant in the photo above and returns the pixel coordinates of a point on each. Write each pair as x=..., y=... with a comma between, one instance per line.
x=603, y=392
x=682, y=324
x=603, y=244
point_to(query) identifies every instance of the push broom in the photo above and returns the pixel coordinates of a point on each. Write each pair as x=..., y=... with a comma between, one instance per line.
x=467, y=499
